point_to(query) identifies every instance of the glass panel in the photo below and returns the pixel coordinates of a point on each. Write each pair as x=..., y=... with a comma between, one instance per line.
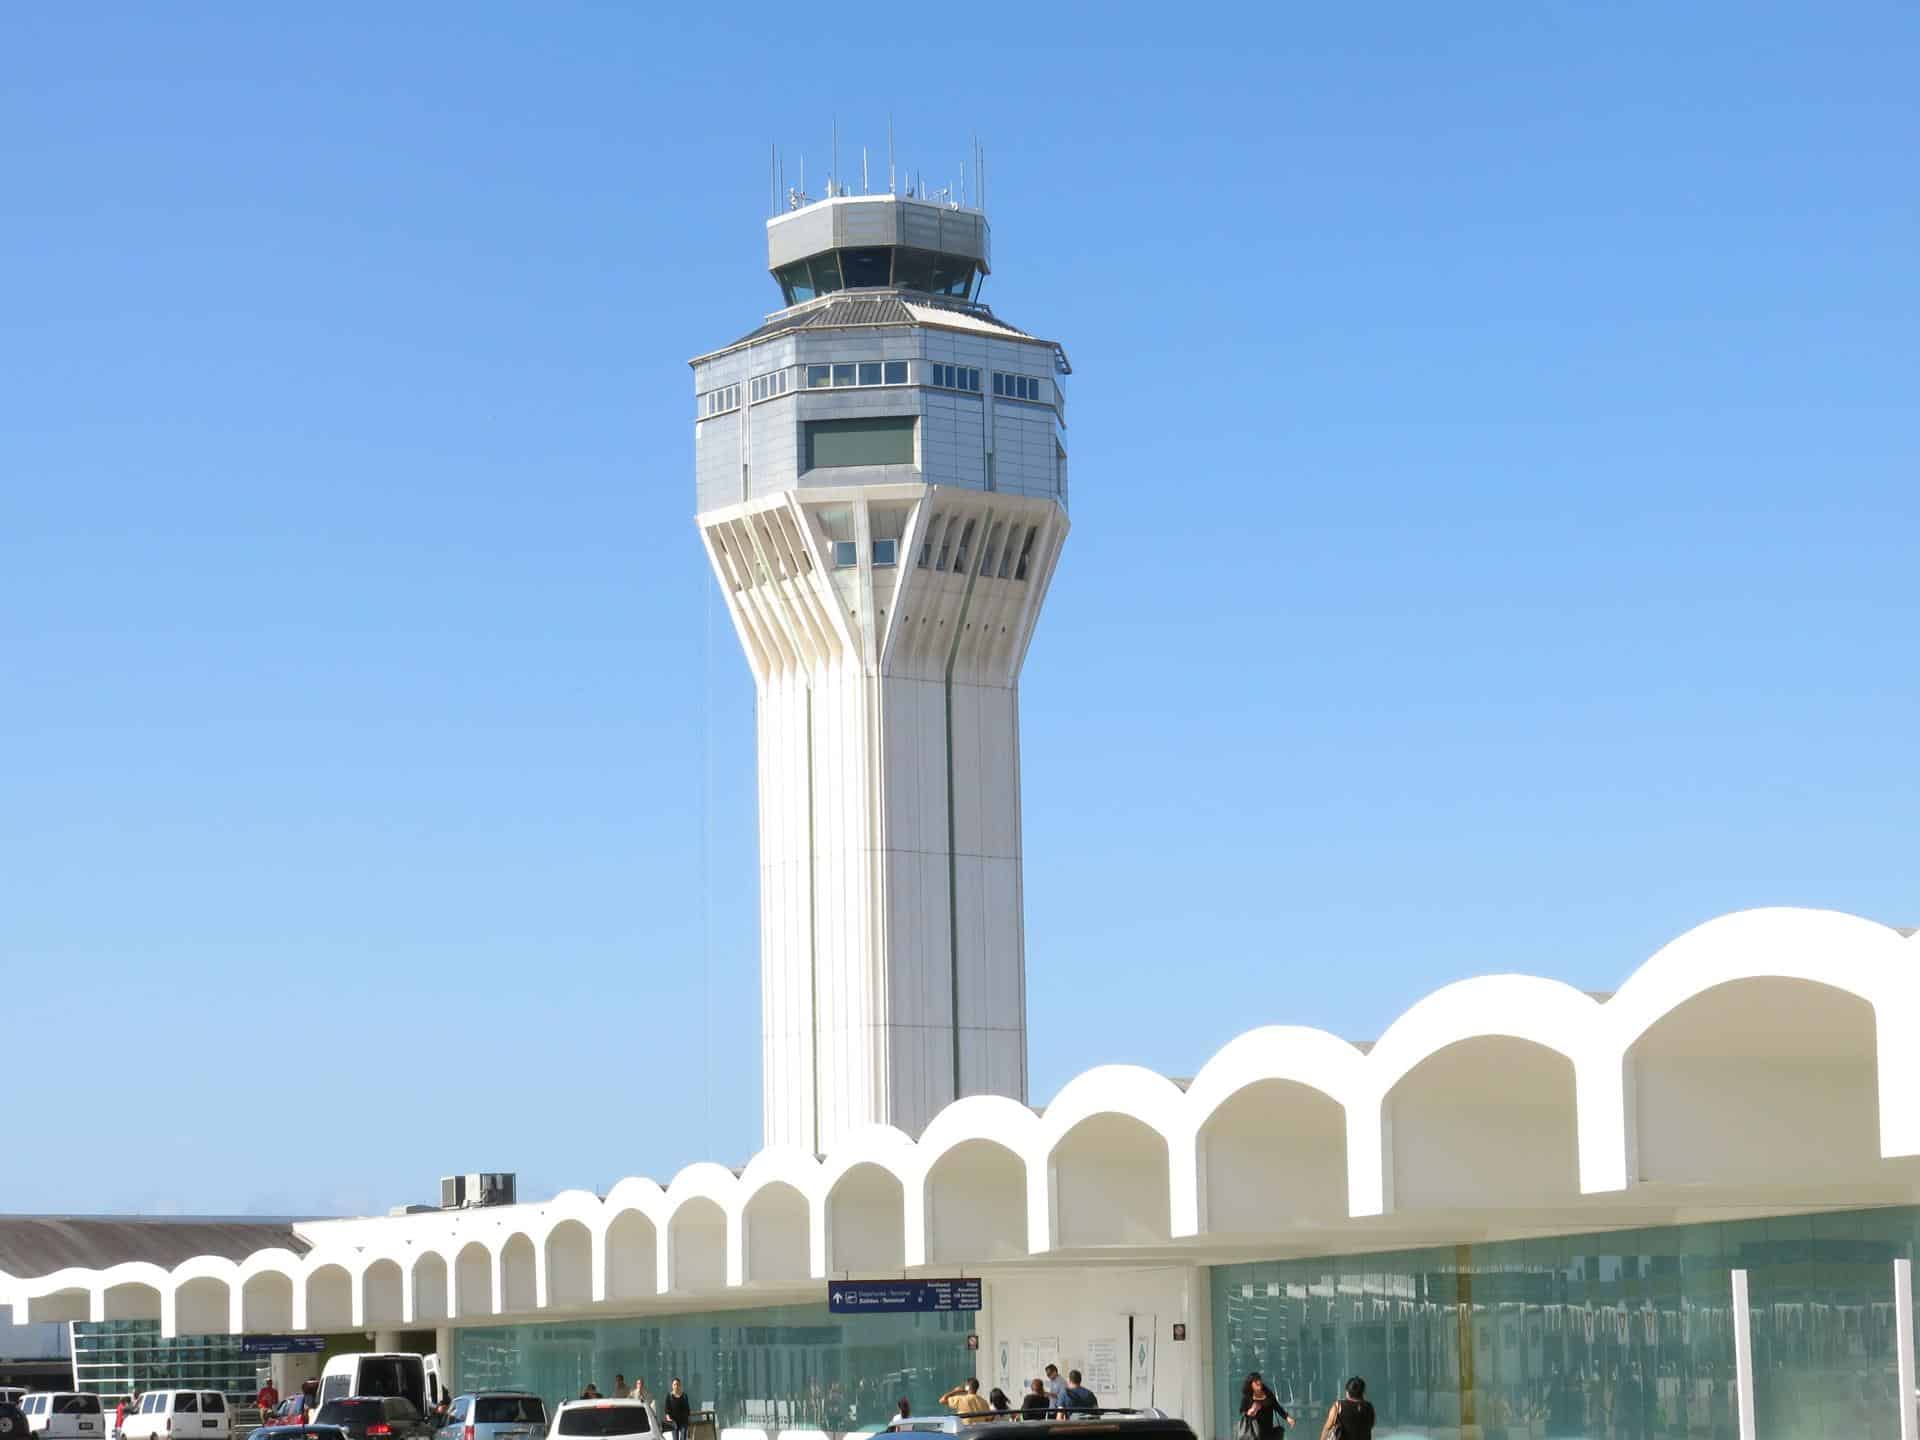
x=772, y=1368
x=866, y=268
x=846, y=554
x=870, y=372
x=868, y=440
x=896, y=372
x=952, y=275
x=913, y=270
x=885, y=552
x=819, y=375
x=796, y=284
x=826, y=274
x=843, y=374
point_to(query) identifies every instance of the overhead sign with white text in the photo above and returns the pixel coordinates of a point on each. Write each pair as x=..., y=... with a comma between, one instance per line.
x=895, y=1297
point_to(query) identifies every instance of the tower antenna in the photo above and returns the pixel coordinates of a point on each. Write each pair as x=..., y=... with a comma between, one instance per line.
x=773, y=180
x=863, y=170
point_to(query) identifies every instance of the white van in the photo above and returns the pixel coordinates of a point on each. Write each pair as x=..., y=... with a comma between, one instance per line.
x=413, y=1377
x=64, y=1415
x=180, y=1414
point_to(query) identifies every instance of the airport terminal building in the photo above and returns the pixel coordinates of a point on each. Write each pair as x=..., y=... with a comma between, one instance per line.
x=1684, y=1208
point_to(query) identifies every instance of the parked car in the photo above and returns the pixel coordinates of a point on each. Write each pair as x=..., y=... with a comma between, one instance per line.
x=495, y=1415
x=64, y=1415
x=598, y=1418
x=290, y=1411
x=179, y=1414
x=13, y=1420
x=376, y=1417
x=297, y=1431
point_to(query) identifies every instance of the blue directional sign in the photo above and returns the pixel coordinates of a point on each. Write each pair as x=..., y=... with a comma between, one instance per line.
x=894, y=1297
x=282, y=1344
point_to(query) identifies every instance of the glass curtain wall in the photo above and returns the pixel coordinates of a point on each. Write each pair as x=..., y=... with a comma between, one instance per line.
x=1626, y=1335
x=123, y=1357
x=778, y=1368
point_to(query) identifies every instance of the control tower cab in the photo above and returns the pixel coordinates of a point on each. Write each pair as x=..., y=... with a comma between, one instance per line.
x=881, y=474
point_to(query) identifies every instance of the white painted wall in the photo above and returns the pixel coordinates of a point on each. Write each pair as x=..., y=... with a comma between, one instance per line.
x=1075, y=1310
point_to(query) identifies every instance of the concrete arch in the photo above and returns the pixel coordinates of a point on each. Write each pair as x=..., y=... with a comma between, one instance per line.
x=976, y=1203
x=1489, y=1121
x=383, y=1294
x=60, y=1303
x=201, y=1305
x=776, y=1233
x=697, y=1250
x=1272, y=1155
x=631, y=1244
x=1110, y=1183
x=865, y=1220
x=1758, y=1081
x=432, y=1297
x=519, y=1270
x=266, y=1301
x=472, y=1281
x=329, y=1298
x=567, y=1266
x=134, y=1299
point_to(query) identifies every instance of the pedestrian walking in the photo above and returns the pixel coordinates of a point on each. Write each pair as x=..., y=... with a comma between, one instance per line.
x=1351, y=1417
x=679, y=1411
x=964, y=1400
x=1056, y=1388
x=620, y=1388
x=645, y=1397
x=1261, y=1412
x=1077, y=1396
x=1033, y=1404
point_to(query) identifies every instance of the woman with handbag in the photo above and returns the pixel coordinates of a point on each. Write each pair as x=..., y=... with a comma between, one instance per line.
x=1261, y=1415
x=1351, y=1417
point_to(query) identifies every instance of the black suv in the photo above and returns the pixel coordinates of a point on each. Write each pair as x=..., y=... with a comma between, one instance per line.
x=376, y=1417
x=1072, y=1425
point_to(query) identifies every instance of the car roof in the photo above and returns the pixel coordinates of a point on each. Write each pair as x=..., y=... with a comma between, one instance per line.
x=604, y=1401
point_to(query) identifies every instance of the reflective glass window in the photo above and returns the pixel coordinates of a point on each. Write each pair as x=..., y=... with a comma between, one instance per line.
x=796, y=283
x=867, y=440
x=870, y=372
x=886, y=552
x=843, y=374
x=913, y=269
x=952, y=275
x=870, y=267
x=819, y=375
x=896, y=372
x=826, y=274
x=846, y=554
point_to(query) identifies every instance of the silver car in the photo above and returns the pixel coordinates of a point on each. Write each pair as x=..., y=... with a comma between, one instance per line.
x=495, y=1415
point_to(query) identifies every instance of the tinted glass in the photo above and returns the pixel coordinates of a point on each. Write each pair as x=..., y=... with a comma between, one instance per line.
x=394, y=1375
x=870, y=372
x=796, y=284
x=349, y=1412
x=826, y=274
x=843, y=374
x=818, y=375
x=213, y=1404
x=951, y=275
x=896, y=372
x=509, y=1410
x=865, y=267
x=612, y=1420
x=913, y=269
x=186, y=1403
x=869, y=440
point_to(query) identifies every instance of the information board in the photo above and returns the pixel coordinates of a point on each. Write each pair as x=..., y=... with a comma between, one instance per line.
x=894, y=1297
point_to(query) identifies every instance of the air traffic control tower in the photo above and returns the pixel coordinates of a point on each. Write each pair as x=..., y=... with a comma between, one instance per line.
x=883, y=496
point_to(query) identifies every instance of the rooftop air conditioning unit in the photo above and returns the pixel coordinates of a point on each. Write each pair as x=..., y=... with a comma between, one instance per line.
x=453, y=1191
x=490, y=1188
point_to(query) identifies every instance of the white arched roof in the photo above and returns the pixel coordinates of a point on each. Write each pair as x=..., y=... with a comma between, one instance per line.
x=1878, y=965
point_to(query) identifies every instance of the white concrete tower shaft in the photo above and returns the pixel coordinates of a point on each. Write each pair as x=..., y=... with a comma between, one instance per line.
x=882, y=482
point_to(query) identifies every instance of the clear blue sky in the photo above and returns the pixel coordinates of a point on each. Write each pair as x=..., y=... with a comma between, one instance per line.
x=1496, y=541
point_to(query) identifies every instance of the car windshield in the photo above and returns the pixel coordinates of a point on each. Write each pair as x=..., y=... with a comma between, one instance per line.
x=517, y=1410
x=605, y=1419
x=78, y=1405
